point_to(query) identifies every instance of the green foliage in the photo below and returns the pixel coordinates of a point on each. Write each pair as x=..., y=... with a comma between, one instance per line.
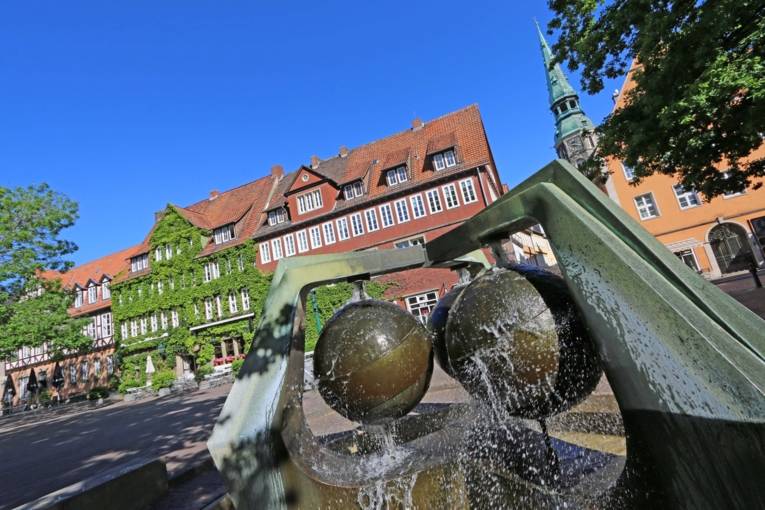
x=162, y=379
x=236, y=366
x=44, y=397
x=699, y=100
x=202, y=371
x=184, y=291
x=33, y=311
x=326, y=300
x=42, y=317
x=98, y=392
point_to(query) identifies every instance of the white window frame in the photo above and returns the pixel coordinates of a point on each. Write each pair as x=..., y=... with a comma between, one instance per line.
x=106, y=291
x=124, y=330
x=302, y=241
x=353, y=190
x=208, y=308
x=329, y=233
x=343, y=232
x=212, y=272
x=144, y=325
x=402, y=211
x=154, y=323
x=224, y=234
x=314, y=234
x=168, y=252
x=396, y=176
x=289, y=245
x=629, y=173
x=450, y=192
x=357, y=225
x=158, y=253
x=386, y=208
x=163, y=319
x=468, y=191
x=418, y=302
x=245, y=294
x=372, y=225
x=265, y=252
x=434, y=197
x=688, y=195
x=444, y=159
x=77, y=297
x=233, y=307
x=276, y=244
x=408, y=243
x=218, y=305
x=277, y=216
x=175, y=320
x=645, y=207
x=92, y=293
x=418, y=205
x=309, y=201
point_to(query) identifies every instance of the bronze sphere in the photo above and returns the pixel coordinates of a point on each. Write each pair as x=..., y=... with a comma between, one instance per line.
x=437, y=327
x=373, y=361
x=514, y=338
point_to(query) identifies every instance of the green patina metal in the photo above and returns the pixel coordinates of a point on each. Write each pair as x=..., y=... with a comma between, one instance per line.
x=559, y=90
x=686, y=362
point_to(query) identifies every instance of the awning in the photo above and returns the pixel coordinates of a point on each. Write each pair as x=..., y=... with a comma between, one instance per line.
x=9, y=390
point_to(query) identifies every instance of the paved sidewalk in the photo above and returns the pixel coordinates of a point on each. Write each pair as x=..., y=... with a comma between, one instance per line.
x=743, y=290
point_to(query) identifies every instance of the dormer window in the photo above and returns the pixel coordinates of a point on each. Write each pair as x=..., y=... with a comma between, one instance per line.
x=444, y=159
x=396, y=176
x=92, y=293
x=353, y=190
x=77, y=297
x=309, y=201
x=106, y=291
x=224, y=234
x=277, y=216
x=139, y=262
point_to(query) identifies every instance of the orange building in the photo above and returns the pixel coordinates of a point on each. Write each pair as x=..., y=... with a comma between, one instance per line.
x=716, y=238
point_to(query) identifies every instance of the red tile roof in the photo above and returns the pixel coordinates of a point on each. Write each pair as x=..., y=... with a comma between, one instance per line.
x=110, y=265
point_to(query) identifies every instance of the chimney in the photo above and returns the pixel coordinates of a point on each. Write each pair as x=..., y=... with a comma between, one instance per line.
x=277, y=171
x=314, y=161
x=343, y=151
x=214, y=194
x=417, y=123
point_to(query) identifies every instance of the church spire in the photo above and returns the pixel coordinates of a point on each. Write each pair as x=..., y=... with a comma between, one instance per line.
x=574, y=137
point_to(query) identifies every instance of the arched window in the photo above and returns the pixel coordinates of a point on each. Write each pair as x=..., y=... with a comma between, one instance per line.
x=731, y=248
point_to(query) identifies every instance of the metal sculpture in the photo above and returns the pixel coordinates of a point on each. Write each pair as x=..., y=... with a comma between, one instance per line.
x=686, y=363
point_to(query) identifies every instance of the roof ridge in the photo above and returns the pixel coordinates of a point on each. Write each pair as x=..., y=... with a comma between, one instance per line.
x=202, y=201
x=408, y=130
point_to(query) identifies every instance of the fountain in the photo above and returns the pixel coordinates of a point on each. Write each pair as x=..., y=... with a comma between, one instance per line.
x=685, y=361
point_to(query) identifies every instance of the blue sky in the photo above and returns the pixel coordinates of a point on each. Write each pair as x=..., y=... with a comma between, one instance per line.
x=126, y=106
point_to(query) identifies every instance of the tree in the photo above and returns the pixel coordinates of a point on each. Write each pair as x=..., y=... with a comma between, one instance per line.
x=698, y=105
x=33, y=310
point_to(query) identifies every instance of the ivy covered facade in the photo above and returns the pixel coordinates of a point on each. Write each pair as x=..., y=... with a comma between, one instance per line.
x=185, y=310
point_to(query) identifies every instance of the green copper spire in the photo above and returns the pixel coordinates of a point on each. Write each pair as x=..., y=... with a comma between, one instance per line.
x=564, y=101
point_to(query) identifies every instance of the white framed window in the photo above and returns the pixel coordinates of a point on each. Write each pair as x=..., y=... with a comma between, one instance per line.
x=72, y=374
x=196, y=311
x=353, y=190
x=688, y=258
x=357, y=226
x=208, y=308
x=629, y=173
x=315, y=235
x=371, y=216
x=233, y=307
x=92, y=293
x=139, y=262
x=158, y=253
x=106, y=291
x=107, y=327
x=163, y=320
x=434, y=201
x=240, y=262
x=309, y=201
x=84, y=371
x=218, y=305
x=407, y=243
x=302, y=241
x=154, y=322
x=277, y=216
x=212, y=272
x=686, y=198
x=276, y=244
x=396, y=176
x=450, y=195
x=224, y=234
x=418, y=206
x=646, y=206
x=468, y=191
x=77, y=297
x=329, y=233
x=245, y=299
x=402, y=211
x=144, y=325
x=444, y=159
x=265, y=253
x=168, y=252
x=124, y=330
x=174, y=319
x=342, y=229
x=387, y=215
x=160, y=285
x=421, y=305
x=289, y=245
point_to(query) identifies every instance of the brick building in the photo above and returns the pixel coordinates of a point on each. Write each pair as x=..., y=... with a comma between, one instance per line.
x=191, y=290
